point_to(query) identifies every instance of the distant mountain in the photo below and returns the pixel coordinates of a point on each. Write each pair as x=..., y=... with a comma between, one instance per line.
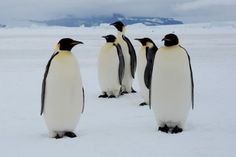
x=71, y=21
x=2, y=26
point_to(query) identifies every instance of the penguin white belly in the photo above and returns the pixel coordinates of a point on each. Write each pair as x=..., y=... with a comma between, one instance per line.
x=141, y=65
x=108, y=66
x=171, y=86
x=128, y=79
x=64, y=95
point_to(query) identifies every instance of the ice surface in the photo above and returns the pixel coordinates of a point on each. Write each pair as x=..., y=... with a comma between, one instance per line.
x=117, y=127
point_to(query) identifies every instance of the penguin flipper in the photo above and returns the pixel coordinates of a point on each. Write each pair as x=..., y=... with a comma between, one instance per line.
x=83, y=100
x=150, y=55
x=148, y=75
x=44, y=82
x=121, y=63
x=150, y=92
x=133, y=58
x=150, y=58
x=191, y=75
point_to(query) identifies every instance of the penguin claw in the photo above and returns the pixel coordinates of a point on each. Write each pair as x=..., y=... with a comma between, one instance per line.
x=58, y=136
x=111, y=96
x=176, y=130
x=70, y=134
x=103, y=96
x=133, y=91
x=165, y=129
x=124, y=92
x=143, y=104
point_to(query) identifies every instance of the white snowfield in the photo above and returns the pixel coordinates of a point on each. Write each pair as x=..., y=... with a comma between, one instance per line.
x=117, y=127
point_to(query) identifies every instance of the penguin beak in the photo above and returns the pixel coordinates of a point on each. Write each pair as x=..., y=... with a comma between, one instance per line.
x=141, y=41
x=76, y=42
x=165, y=39
x=112, y=24
x=104, y=37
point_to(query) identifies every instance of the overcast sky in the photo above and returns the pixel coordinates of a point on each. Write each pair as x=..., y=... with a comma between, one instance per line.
x=189, y=11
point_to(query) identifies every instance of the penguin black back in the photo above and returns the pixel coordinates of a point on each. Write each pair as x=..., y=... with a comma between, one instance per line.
x=170, y=40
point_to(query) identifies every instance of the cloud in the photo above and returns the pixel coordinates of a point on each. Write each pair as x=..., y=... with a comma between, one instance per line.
x=15, y=11
x=203, y=4
x=45, y=9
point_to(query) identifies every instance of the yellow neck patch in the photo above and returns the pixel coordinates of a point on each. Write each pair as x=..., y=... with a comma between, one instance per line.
x=149, y=44
x=123, y=29
x=57, y=47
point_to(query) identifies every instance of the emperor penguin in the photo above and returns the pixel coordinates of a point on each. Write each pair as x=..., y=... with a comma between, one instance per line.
x=111, y=67
x=145, y=62
x=129, y=57
x=62, y=97
x=172, y=86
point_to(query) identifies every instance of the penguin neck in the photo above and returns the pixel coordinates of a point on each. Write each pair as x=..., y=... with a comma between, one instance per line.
x=109, y=44
x=143, y=50
x=65, y=51
x=120, y=34
x=149, y=45
x=174, y=46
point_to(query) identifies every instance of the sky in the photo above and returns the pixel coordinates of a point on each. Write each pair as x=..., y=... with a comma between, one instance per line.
x=188, y=11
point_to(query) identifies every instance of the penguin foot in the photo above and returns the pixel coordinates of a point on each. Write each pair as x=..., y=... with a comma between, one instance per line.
x=165, y=129
x=124, y=92
x=111, y=96
x=70, y=134
x=58, y=136
x=176, y=130
x=143, y=104
x=133, y=91
x=103, y=95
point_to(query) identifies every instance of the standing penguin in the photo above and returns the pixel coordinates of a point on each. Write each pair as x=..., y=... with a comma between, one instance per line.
x=145, y=65
x=62, y=99
x=111, y=67
x=172, y=87
x=129, y=57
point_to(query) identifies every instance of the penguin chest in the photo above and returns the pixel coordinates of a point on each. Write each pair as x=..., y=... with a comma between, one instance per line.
x=171, y=84
x=108, y=65
x=173, y=72
x=141, y=65
x=64, y=98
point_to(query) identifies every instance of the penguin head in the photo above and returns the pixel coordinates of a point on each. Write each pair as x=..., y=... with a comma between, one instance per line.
x=110, y=38
x=119, y=26
x=170, y=40
x=146, y=42
x=66, y=44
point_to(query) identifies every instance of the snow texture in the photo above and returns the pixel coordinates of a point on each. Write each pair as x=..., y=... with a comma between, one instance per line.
x=117, y=127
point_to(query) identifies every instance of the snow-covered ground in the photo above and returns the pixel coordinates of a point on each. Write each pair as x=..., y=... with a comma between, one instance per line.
x=117, y=127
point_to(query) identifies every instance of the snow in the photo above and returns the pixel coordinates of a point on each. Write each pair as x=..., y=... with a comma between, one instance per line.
x=117, y=127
